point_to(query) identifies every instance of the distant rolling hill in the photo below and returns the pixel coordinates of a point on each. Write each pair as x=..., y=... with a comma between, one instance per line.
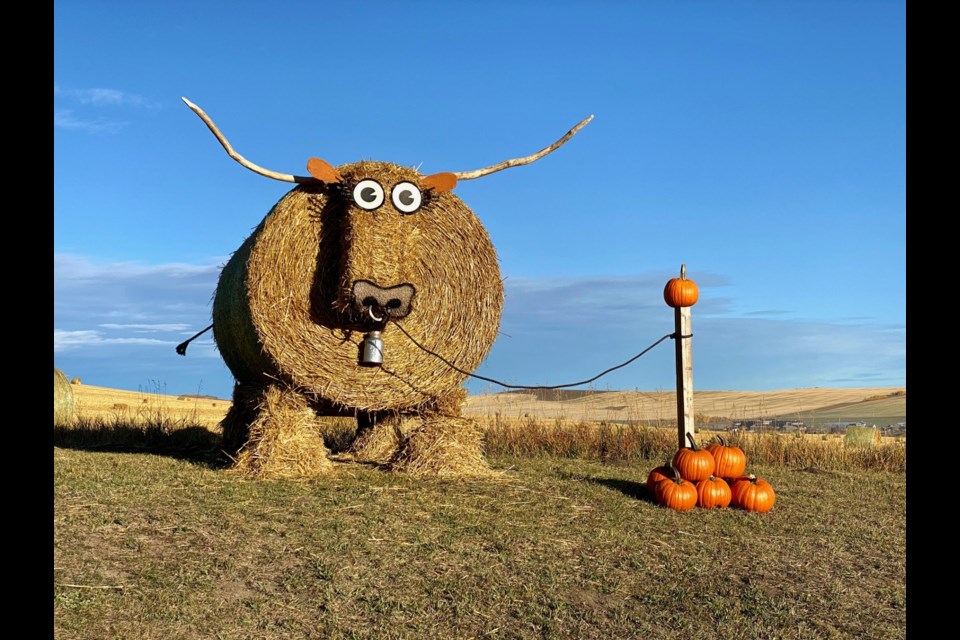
x=880, y=405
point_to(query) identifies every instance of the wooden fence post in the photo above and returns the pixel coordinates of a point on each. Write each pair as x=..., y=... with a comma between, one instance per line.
x=684, y=335
x=681, y=294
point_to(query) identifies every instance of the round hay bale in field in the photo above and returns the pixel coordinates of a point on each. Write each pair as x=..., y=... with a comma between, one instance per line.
x=64, y=411
x=75, y=380
x=282, y=310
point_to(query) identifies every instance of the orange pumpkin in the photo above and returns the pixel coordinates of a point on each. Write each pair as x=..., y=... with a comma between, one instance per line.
x=731, y=460
x=663, y=472
x=713, y=493
x=694, y=463
x=681, y=292
x=753, y=494
x=676, y=493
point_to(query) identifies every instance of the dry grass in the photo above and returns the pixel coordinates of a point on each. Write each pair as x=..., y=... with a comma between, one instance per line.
x=152, y=539
x=160, y=544
x=608, y=406
x=619, y=443
x=533, y=436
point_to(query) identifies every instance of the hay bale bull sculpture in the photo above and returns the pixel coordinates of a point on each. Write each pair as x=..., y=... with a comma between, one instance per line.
x=321, y=309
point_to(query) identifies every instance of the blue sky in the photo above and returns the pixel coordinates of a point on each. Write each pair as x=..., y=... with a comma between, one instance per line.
x=763, y=144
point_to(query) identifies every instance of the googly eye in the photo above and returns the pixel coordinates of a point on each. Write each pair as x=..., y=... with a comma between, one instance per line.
x=368, y=194
x=406, y=197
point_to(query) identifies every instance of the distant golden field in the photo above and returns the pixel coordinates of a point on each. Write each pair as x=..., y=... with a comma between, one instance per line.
x=821, y=404
x=611, y=406
x=142, y=407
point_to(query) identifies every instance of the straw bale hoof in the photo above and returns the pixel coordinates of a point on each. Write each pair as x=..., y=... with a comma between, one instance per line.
x=444, y=446
x=283, y=439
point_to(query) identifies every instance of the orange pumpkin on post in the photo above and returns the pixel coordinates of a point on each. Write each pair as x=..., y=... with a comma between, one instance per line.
x=681, y=292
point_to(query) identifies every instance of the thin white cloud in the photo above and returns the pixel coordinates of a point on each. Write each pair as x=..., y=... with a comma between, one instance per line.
x=100, y=97
x=763, y=313
x=123, y=300
x=66, y=119
x=64, y=340
x=72, y=267
x=146, y=328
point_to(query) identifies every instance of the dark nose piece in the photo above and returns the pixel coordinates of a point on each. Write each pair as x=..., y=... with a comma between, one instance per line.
x=382, y=303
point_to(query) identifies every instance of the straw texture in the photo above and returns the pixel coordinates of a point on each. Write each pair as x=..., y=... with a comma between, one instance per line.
x=284, y=311
x=63, y=404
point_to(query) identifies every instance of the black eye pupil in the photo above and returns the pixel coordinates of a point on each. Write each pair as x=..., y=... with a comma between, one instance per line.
x=368, y=194
x=406, y=197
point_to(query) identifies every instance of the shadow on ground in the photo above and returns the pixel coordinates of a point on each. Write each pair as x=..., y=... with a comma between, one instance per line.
x=637, y=490
x=192, y=444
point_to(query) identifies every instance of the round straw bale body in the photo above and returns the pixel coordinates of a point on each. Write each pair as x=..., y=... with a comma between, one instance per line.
x=284, y=309
x=63, y=404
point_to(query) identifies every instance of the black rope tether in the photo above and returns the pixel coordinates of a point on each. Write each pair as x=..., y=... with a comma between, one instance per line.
x=520, y=386
x=182, y=350
x=182, y=347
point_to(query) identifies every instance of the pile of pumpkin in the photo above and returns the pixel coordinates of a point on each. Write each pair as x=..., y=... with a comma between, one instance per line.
x=710, y=478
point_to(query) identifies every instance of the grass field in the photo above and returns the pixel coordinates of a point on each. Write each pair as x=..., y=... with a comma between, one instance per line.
x=154, y=538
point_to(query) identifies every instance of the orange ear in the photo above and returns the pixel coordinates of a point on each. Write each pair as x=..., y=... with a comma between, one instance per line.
x=323, y=170
x=439, y=182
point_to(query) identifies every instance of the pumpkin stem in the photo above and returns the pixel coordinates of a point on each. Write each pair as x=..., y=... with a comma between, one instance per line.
x=676, y=474
x=722, y=441
x=683, y=272
x=693, y=443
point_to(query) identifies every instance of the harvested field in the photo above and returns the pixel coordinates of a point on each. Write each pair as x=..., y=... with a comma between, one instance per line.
x=612, y=406
x=654, y=406
x=104, y=403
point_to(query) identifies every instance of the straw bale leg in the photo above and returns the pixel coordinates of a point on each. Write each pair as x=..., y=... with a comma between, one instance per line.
x=444, y=446
x=380, y=435
x=271, y=431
